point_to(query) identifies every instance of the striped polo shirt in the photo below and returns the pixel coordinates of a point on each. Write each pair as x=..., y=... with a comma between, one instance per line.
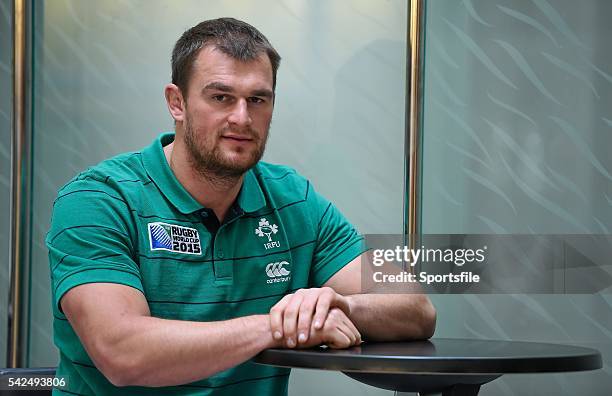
x=129, y=221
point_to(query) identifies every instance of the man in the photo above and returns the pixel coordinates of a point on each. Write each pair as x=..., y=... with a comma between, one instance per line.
x=173, y=266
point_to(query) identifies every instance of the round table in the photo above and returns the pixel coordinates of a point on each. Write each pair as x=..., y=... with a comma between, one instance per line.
x=456, y=367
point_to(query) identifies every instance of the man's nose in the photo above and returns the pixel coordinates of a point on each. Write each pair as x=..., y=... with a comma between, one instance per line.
x=240, y=114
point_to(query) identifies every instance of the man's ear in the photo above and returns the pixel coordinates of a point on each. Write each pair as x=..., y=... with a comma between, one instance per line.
x=175, y=102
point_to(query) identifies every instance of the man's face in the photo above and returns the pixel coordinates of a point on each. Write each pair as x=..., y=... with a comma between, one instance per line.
x=228, y=111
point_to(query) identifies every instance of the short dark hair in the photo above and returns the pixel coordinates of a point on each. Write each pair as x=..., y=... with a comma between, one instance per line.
x=234, y=38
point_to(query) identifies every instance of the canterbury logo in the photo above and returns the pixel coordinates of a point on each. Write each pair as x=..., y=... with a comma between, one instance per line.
x=274, y=270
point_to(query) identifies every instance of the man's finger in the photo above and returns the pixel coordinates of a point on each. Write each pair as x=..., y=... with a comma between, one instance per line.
x=344, y=328
x=290, y=319
x=305, y=316
x=351, y=327
x=337, y=339
x=322, y=309
x=276, y=317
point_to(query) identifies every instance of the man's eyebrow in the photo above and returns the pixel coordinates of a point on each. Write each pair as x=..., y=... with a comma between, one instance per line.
x=219, y=86
x=266, y=93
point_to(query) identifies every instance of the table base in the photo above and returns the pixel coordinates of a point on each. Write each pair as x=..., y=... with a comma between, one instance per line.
x=426, y=384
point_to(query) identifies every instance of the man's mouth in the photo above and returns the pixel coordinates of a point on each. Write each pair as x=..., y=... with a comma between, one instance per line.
x=238, y=138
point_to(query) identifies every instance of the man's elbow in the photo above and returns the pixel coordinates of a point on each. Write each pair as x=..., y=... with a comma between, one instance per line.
x=130, y=372
x=119, y=373
x=119, y=378
x=120, y=369
x=428, y=327
x=424, y=324
x=129, y=369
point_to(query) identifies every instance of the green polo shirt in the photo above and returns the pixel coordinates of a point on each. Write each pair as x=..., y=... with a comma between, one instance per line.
x=129, y=221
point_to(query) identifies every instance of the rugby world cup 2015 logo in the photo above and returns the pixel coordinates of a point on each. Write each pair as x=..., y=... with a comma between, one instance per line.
x=174, y=238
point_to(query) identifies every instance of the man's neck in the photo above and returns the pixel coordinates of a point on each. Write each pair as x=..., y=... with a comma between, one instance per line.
x=213, y=193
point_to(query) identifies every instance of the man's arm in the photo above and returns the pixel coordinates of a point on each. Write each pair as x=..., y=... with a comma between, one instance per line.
x=393, y=317
x=380, y=317
x=384, y=317
x=130, y=347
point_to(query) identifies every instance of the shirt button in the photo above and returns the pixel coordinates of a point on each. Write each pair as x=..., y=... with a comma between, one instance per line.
x=204, y=214
x=220, y=253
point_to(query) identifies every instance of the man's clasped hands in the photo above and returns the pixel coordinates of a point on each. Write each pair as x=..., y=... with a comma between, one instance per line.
x=310, y=317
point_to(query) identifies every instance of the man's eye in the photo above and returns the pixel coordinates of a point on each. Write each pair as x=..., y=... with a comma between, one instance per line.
x=220, y=98
x=255, y=99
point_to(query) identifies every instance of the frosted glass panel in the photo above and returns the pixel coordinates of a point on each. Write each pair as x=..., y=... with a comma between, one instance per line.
x=6, y=86
x=518, y=130
x=517, y=117
x=100, y=69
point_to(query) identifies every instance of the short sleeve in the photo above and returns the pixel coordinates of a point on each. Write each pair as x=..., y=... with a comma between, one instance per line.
x=90, y=239
x=337, y=241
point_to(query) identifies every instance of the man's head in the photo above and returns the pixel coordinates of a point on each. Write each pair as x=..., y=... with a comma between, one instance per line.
x=234, y=38
x=222, y=95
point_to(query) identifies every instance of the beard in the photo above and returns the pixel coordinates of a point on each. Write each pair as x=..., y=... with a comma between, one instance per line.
x=209, y=160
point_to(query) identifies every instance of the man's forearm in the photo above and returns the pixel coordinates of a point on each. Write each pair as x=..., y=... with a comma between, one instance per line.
x=392, y=317
x=150, y=351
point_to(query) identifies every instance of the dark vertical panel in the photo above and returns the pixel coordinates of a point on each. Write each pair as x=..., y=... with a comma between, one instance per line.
x=6, y=79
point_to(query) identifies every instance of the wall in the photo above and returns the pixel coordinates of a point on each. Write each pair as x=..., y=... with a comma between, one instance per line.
x=517, y=133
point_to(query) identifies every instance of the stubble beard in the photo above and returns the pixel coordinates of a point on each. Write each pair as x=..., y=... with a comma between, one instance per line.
x=211, y=163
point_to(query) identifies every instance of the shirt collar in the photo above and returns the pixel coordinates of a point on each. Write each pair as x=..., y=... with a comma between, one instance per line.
x=250, y=198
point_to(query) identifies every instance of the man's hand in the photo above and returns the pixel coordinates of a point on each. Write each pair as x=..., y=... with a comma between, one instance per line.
x=296, y=315
x=338, y=332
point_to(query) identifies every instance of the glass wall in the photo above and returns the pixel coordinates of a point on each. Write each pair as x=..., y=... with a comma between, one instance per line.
x=517, y=134
x=6, y=86
x=99, y=72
